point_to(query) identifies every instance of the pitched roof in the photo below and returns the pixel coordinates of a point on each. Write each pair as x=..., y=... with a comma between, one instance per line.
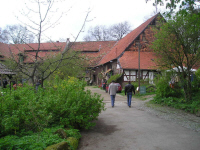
x=4, y=49
x=125, y=42
x=129, y=60
x=30, y=56
x=91, y=46
x=93, y=50
x=18, y=48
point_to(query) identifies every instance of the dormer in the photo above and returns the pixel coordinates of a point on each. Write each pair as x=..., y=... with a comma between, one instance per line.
x=21, y=57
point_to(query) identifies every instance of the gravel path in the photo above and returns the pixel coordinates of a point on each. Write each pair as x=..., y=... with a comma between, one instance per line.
x=140, y=127
x=180, y=117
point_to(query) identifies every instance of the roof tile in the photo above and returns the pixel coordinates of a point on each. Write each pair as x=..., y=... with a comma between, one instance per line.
x=124, y=43
x=129, y=60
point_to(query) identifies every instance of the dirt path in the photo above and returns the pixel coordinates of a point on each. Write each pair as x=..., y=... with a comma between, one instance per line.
x=124, y=128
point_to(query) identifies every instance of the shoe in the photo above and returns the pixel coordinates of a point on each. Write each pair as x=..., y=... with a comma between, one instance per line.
x=129, y=106
x=112, y=106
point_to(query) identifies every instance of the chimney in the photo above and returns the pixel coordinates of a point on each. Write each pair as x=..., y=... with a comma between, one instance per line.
x=99, y=48
x=66, y=46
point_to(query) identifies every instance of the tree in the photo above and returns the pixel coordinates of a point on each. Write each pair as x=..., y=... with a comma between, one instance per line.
x=17, y=34
x=41, y=67
x=73, y=65
x=177, y=45
x=103, y=33
x=118, y=31
x=173, y=4
x=97, y=33
x=2, y=37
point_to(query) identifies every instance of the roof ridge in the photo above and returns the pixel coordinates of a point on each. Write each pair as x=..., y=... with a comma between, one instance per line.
x=109, y=50
x=126, y=41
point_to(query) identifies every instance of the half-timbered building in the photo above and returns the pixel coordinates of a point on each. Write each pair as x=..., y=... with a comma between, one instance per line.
x=131, y=56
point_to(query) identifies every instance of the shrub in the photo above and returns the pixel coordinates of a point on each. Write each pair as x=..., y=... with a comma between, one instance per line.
x=173, y=97
x=37, y=141
x=63, y=102
x=164, y=90
x=114, y=78
x=196, y=81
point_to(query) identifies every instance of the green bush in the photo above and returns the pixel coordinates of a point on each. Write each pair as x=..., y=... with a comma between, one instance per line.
x=37, y=141
x=63, y=102
x=163, y=90
x=174, y=97
x=114, y=78
x=196, y=81
x=180, y=103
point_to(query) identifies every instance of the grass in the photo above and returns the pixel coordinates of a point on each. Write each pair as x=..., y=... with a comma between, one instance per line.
x=151, y=104
x=139, y=96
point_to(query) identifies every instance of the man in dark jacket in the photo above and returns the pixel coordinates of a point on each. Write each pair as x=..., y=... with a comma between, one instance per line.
x=129, y=88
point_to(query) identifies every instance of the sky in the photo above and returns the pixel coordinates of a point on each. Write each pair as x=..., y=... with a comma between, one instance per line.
x=74, y=12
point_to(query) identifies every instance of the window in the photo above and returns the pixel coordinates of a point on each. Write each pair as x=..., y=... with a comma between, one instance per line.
x=151, y=77
x=145, y=73
x=132, y=75
x=129, y=75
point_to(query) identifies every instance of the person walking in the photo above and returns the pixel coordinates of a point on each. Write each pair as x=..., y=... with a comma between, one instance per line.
x=129, y=88
x=112, y=90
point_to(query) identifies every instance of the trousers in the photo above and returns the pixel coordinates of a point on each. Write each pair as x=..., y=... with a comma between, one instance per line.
x=129, y=97
x=112, y=100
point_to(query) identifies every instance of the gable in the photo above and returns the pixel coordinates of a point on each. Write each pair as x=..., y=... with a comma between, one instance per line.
x=125, y=42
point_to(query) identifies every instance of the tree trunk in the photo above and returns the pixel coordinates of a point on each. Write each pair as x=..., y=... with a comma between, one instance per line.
x=187, y=87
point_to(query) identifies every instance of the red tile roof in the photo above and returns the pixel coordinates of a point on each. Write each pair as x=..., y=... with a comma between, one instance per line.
x=30, y=56
x=125, y=42
x=4, y=49
x=91, y=46
x=30, y=50
x=34, y=46
x=93, y=50
x=129, y=60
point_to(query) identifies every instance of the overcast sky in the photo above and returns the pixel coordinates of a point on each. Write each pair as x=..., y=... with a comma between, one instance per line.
x=102, y=12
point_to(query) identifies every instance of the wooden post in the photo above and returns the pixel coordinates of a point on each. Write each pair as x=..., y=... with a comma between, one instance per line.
x=139, y=66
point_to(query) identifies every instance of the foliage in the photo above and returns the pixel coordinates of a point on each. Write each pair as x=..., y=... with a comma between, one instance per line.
x=163, y=88
x=197, y=75
x=193, y=106
x=62, y=102
x=72, y=65
x=196, y=81
x=173, y=4
x=173, y=97
x=29, y=140
x=114, y=78
x=177, y=45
